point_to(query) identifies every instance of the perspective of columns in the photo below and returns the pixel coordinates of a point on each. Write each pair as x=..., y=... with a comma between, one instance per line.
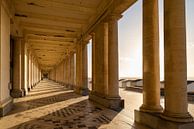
x=97, y=64
x=175, y=62
x=105, y=57
x=151, y=70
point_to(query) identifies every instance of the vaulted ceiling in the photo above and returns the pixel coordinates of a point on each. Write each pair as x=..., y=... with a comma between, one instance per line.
x=52, y=27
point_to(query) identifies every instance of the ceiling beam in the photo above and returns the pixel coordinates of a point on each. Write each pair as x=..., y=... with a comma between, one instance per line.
x=49, y=33
x=56, y=6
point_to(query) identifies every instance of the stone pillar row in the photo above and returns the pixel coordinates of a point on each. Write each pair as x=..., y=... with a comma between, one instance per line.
x=175, y=114
x=63, y=73
x=105, y=88
x=26, y=71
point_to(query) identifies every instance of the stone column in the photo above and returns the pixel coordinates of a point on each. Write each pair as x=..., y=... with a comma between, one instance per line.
x=62, y=72
x=100, y=57
x=93, y=63
x=68, y=70
x=27, y=68
x=17, y=90
x=34, y=77
x=36, y=72
x=105, y=72
x=78, y=67
x=113, y=72
x=65, y=72
x=72, y=70
x=30, y=70
x=81, y=69
x=176, y=106
x=84, y=69
x=151, y=69
x=22, y=67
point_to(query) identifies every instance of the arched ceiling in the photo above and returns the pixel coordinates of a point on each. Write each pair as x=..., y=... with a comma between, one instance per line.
x=52, y=27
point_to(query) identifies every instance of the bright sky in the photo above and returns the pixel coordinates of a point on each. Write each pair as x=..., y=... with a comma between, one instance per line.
x=130, y=41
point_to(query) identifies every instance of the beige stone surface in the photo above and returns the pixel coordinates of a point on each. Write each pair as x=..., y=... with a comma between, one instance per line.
x=101, y=59
x=50, y=105
x=175, y=61
x=151, y=69
x=113, y=66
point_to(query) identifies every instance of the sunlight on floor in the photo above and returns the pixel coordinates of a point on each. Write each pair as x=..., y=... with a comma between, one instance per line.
x=60, y=108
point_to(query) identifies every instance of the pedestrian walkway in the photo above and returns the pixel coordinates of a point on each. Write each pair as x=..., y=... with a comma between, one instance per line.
x=52, y=106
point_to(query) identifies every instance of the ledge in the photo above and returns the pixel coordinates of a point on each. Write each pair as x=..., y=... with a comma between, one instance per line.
x=6, y=106
x=154, y=121
x=116, y=104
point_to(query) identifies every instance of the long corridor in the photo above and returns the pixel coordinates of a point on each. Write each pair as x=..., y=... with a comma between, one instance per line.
x=52, y=106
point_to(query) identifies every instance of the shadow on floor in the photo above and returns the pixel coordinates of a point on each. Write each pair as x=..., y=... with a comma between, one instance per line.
x=47, y=92
x=35, y=103
x=81, y=115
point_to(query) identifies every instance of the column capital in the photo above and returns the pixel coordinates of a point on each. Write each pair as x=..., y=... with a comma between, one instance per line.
x=113, y=17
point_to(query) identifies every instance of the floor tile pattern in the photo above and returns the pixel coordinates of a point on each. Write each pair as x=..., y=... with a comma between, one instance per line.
x=53, y=106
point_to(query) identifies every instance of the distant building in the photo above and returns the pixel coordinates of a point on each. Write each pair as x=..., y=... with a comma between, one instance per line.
x=134, y=83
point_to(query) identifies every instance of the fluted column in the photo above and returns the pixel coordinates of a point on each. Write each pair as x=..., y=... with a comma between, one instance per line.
x=151, y=70
x=176, y=106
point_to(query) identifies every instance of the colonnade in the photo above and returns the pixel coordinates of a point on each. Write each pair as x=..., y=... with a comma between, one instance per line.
x=105, y=69
x=105, y=63
x=64, y=72
x=175, y=90
x=72, y=70
x=26, y=71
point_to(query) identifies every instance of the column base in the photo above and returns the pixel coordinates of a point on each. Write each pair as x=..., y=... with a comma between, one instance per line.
x=177, y=117
x=16, y=93
x=116, y=104
x=82, y=91
x=154, y=121
x=151, y=109
x=5, y=106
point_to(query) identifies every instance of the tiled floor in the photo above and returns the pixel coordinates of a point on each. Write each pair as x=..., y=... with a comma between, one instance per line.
x=52, y=106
